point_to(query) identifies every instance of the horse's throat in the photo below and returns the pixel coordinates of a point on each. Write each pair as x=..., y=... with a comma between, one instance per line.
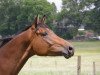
x=22, y=61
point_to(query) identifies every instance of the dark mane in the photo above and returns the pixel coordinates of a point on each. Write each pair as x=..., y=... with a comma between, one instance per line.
x=6, y=40
x=26, y=28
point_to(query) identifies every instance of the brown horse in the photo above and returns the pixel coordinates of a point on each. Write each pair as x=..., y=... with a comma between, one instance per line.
x=4, y=41
x=37, y=39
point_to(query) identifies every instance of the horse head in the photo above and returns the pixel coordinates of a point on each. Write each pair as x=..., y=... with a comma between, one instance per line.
x=47, y=43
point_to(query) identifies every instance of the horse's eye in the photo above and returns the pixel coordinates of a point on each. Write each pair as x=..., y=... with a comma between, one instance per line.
x=44, y=34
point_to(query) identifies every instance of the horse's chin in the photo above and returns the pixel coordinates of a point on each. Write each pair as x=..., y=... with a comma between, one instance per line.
x=66, y=55
x=59, y=53
x=54, y=54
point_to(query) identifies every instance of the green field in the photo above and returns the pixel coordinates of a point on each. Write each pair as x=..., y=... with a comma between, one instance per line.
x=89, y=52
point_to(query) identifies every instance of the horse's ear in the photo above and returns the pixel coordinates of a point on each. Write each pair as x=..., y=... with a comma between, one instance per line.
x=36, y=21
x=43, y=19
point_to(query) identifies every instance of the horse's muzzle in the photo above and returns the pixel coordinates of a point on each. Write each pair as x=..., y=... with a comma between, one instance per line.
x=69, y=52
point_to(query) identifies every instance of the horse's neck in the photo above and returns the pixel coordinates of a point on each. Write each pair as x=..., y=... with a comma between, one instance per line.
x=22, y=61
x=12, y=52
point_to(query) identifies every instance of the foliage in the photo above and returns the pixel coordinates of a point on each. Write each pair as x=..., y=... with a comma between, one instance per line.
x=75, y=10
x=95, y=18
x=81, y=33
x=16, y=14
x=81, y=12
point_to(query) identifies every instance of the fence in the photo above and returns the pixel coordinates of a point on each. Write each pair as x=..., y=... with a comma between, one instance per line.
x=77, y=65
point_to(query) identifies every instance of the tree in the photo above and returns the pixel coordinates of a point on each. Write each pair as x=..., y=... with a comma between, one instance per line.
x=16, y=14
x=81, y=12
x=75, y=10
x=95, y=18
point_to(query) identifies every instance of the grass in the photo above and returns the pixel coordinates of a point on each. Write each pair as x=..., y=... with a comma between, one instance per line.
x=89, y=51
x=87, y=47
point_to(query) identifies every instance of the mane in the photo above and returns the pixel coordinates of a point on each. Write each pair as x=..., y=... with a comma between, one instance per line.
x=26, y=28
x=6, y=40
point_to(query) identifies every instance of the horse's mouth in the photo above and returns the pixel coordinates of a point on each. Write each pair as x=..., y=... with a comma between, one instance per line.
x=67, y=56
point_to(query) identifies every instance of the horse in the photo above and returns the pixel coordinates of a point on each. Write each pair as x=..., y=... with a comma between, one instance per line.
x=4, y=41
x=37, y=39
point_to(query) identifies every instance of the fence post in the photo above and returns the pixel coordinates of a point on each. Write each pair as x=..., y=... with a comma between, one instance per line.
x=94, y=69
x=79, y=65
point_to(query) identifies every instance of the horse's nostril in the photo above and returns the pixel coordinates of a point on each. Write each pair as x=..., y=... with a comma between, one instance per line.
x=70, y=48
